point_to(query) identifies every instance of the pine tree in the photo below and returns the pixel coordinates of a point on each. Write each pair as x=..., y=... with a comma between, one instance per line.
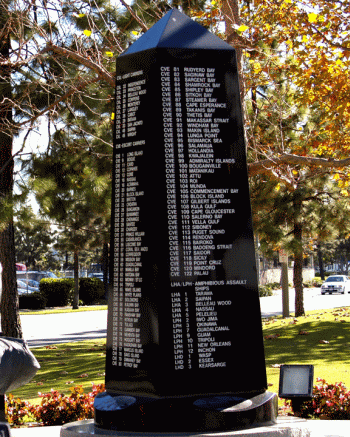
x=33, y=237
x=10, y=321
x=74, y=190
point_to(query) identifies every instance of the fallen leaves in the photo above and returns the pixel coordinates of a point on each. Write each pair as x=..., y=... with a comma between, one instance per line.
x=272, y=336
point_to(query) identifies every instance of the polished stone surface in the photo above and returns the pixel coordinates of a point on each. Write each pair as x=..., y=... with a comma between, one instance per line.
x=183, y=313
x=285, y=427
x=202, y=414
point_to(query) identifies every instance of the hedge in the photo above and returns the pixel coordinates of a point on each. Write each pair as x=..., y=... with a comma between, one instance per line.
x=58, y=292
x=33, y=301
x=90, y=290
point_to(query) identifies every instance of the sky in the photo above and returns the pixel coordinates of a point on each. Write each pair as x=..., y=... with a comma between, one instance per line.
x=37, y=140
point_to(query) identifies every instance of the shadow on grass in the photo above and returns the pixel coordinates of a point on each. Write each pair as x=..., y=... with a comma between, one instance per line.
x=64, y=366
x=309, y=342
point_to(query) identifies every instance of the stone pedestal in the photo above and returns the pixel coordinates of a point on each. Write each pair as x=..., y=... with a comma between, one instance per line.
x=191, y=414
x=285, y=427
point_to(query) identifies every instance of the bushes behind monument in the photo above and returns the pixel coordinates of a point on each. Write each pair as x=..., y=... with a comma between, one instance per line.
x=59, y=293
x=90, y=290
x=33, y=301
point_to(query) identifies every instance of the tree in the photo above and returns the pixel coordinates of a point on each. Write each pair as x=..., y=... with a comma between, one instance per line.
x=10, y=321
x=73, y=190
x=33, y=238
x=310, y=44
x=315, y=212
x=284, y=138
x=337, y=252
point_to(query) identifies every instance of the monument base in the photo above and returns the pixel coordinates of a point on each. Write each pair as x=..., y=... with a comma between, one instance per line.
x=285, y=427
x=202, y=414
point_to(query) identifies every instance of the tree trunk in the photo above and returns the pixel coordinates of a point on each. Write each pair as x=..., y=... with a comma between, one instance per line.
x=298, y=255
x=76, y=281
x=10, y=321
x=230, y=10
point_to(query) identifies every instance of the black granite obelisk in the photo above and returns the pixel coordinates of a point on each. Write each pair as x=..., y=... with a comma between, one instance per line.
x=184, y=343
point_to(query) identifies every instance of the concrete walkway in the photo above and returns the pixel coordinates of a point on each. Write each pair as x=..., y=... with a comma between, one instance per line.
x=40, y=431
x=285, y=427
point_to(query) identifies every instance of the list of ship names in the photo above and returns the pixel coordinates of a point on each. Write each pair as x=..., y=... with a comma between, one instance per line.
x=194, y=111
x=127, y=349
x=194, y=115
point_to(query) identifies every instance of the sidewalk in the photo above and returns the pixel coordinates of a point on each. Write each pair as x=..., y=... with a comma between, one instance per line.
x=286, y=427
x=36, y=431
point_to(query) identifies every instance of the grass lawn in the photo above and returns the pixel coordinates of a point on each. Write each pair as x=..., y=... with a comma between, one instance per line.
x=64, y=310
x=66, y=365
x=321, y=338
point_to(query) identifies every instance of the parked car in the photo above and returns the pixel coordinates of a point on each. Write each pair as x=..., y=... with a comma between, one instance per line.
x=98, y=275
x=31, y=282
x=336, y=284
x=34, y=275
x=25, y=288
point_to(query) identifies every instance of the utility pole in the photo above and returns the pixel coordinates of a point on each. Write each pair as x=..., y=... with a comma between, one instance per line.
x=283, y=258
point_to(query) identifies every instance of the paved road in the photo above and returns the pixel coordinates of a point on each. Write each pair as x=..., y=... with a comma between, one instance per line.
x=41, y=330
x=62, y=328
x=313, y=300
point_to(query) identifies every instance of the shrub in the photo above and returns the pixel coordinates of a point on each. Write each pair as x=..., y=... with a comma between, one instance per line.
x=274, y=285
x=55, y=407
x=90, y=290
x=331, y=401
x=16, y=410
x=265, y=290
x=33, y=301
x=58, y=292
x=316, y=282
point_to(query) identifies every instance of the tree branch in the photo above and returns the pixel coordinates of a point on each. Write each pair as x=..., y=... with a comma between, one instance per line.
x=134, y=16
x=78, y=87
x=266, y=165
x=331, y=43
x=102, y=73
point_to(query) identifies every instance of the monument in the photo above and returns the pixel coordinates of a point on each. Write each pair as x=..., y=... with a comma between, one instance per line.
x=184, y=337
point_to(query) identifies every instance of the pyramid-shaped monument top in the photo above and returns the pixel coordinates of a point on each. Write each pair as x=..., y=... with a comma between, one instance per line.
x=177, y=30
